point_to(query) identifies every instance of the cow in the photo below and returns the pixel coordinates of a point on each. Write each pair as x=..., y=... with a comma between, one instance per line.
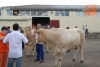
x=28, y=31
x=61, y=40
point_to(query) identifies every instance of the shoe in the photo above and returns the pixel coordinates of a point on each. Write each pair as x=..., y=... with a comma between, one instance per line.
x=41, y=61
x=37, y=60
x=68, y=51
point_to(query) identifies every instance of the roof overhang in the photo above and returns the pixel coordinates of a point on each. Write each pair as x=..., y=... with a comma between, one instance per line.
x=48, y=7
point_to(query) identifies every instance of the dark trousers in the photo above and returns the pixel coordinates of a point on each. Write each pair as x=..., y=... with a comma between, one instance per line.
x=86, y=32
x=22, y=45
x=40, y=52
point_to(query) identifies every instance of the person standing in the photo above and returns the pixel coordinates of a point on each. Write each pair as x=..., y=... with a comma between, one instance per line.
x=4, y=48
x=21, y=31
x=86, y=29
x=15, y=46
x=39, y=47
x=9, y=31
x=67, y=27
x=76, y=27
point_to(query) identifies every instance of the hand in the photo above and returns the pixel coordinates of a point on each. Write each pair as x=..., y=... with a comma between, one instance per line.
x=27, y=44
x=32, y=35
x=1, y=38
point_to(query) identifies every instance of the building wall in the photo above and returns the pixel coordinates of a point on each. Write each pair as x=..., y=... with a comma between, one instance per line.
x=72, y=20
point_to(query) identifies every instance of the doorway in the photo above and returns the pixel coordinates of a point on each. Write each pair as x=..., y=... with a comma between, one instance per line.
x=40, y=20
x=54, y=23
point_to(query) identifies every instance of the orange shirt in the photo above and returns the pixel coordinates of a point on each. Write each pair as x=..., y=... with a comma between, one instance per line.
x=3, y=47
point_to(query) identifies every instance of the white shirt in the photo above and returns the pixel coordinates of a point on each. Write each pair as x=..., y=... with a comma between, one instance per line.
x=86, y=27
x=37, y=39
x=15, y=43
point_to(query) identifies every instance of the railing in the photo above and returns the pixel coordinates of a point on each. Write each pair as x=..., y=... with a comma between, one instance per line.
x=92, y=36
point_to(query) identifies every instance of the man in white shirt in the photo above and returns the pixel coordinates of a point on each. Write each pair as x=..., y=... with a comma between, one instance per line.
x=15, y=46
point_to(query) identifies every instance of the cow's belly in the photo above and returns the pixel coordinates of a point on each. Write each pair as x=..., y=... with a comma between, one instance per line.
x=73, y=46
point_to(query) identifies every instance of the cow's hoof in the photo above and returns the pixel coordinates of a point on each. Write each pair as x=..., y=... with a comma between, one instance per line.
x=68, y=51
x=74, y=59
x=28, y=55
x=32, y=55
x=81, y=61
x=47, y=51
x=55, y=66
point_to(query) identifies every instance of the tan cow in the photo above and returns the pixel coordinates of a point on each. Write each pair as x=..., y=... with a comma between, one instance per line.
x=61, y=40
x=28, y=32
x=32, y=41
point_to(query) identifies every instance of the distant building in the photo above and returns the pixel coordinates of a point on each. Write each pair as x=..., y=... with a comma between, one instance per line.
x=70, y=16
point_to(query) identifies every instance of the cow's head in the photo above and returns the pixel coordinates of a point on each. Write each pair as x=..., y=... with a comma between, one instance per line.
x=40, y=35
x=27, y=30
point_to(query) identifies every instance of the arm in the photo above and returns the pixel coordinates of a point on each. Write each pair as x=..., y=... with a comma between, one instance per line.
x=1, y=38
x=24, y=39
x=6, y=39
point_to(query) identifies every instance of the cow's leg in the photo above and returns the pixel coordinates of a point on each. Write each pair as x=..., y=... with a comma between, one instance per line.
x=60, y=57
x=74, y=57
x=81, y=53
x=56, y=58
x=27, y=50
x=33, y=50
x=47, y=48
x=55, y=63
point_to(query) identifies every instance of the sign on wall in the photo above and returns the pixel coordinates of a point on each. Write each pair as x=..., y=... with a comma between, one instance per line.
x=90, y=10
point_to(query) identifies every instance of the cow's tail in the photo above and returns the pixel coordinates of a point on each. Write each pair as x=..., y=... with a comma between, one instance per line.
x=82, y=40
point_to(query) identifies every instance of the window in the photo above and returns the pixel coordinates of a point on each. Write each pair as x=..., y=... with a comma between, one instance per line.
x=79, y=13
x=98, y=12
x=61, y=13
x=28, y=13
x=39, y=13
x=9, y=12
x=66, y=13
x=21, y=13
x=44, y=13
x=33, y=13
x=0, y=12
x=56, y=13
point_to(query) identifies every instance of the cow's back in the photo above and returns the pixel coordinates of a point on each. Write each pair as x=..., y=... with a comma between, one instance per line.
x=60, y=36
x=81, y=33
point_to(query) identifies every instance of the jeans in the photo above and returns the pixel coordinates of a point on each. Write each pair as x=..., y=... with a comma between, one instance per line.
x=17, y=60
x=40, y=52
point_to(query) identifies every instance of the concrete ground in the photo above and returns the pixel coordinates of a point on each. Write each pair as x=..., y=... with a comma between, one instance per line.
x=91, y=57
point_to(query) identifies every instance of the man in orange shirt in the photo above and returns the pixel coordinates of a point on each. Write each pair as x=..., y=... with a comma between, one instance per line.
x=3, y=47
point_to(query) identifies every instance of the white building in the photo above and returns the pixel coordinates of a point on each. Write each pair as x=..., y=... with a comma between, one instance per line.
x=73, y=17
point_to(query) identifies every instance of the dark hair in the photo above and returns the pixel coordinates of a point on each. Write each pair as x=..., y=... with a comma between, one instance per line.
x=8, y=26
x=4, y=28
x=15, y=26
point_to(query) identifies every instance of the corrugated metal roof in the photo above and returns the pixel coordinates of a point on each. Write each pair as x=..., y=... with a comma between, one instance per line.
x=47, y=7
x=13, y=19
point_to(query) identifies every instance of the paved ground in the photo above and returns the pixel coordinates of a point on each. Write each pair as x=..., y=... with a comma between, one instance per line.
x=91, y=57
